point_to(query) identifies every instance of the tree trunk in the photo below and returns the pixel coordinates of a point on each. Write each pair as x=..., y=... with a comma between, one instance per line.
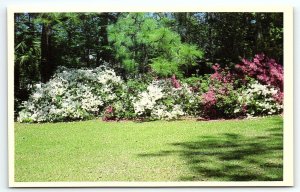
x=259, y=36
x=45, y=67
x=105, y=53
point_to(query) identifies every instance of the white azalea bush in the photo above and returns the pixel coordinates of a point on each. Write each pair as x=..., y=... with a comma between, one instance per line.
x=147, y=100
x=77, y=94
x=161, y=100
x=72, y=94
x=259, y=99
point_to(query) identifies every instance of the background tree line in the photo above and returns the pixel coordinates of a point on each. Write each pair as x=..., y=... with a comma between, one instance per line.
x=135, y=44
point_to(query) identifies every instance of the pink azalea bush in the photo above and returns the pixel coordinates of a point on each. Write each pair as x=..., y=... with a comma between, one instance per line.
x=108, y=114
x=264, y=70
x=209, y=101
x=220, y=100
x=221, y=75
x=175, y=82
x=228, y=93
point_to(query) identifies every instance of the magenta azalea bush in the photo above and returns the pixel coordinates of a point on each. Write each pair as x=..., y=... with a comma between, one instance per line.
x=266, y=71
x=263, y=69
x=254, y=88
x=221, y=98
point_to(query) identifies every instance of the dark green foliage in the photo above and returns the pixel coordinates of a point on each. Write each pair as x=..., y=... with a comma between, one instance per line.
x=27, y=56
x=228, y=37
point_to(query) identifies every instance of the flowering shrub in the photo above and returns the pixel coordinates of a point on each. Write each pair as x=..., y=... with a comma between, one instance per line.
x=230, y=96
x=175, y=82
x=219, y=95
x=219, y=101
x=164, y=99
x=148, y=99
x=263, y=69
x=109, y=114
x=259, y=99
x=221, y=75
x=266, y=71
x=72, y=94
x=83, y=93
x=75, y=94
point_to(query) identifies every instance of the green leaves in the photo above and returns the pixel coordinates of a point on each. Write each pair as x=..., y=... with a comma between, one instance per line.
x=141, y=43
x=164, y=67
x=188, y=54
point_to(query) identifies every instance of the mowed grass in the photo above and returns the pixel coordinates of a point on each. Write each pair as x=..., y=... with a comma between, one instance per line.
x=187, y=150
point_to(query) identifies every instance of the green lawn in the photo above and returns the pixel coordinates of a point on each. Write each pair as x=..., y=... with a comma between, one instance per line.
x=187, y=150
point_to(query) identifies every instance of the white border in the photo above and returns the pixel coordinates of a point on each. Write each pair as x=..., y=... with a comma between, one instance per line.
x=288, y=90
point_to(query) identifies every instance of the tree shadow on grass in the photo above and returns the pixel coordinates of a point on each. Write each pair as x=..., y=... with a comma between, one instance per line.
x=231, y=157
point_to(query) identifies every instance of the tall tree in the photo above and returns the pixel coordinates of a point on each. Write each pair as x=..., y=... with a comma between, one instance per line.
x=47, y=66
x=142, y=44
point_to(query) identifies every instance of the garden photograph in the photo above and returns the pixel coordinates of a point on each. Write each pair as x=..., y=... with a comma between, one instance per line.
x=148, y=96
